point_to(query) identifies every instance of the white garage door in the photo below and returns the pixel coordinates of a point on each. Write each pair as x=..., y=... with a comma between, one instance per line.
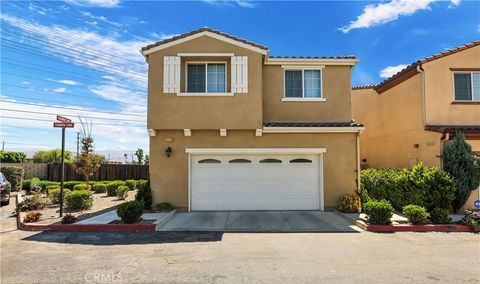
x=255, y=182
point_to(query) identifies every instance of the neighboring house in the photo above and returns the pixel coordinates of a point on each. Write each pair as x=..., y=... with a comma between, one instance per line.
x=410, y=116
x=232, y=128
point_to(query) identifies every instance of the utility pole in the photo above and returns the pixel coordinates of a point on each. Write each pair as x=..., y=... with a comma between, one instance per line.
x=78, y=144
x=3, y=146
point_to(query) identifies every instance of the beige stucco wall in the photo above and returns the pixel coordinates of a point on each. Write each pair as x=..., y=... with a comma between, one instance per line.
x=394, y=127
x=169, y=176
x=167, y=111
x=439, y=89
x=335, y=89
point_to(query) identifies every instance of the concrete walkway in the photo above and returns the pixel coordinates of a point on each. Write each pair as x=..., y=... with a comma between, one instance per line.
x=259, y=221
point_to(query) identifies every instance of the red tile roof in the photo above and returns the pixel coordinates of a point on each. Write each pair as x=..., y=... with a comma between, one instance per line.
x=204, y=29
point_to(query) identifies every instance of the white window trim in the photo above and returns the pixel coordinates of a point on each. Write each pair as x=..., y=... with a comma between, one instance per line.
x=186, y=93
x=303, y=98
x=471, y=85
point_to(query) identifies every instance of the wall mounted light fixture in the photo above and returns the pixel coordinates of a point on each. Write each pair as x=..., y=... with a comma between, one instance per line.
x=168, y=152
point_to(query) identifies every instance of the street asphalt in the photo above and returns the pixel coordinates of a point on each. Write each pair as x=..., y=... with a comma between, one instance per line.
x=215, y=257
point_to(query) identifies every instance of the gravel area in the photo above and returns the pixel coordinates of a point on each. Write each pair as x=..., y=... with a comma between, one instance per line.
x=101, y=204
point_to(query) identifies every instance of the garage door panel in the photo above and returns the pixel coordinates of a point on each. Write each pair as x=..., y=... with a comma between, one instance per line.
x=273, y=184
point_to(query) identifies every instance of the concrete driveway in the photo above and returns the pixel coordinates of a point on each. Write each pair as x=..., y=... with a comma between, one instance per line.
x=259, y=221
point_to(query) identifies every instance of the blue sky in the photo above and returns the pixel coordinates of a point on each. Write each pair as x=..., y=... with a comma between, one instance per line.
x=80, y=58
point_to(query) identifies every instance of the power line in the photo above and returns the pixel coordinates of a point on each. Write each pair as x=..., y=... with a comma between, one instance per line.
x=63, y=94
x=71, y=108
x=51, y=113
x=17, y=143
x=48, y=120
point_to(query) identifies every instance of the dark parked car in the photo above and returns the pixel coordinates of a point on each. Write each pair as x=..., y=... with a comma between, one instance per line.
x=4, y=190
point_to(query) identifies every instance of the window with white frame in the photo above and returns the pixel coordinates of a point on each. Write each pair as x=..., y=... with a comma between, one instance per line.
x=305, y=83
x=467, y=86
x=206, y=77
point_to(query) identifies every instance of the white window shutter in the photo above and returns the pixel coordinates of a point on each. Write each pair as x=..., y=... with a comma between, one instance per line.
x=171, y=74
x=239, y=74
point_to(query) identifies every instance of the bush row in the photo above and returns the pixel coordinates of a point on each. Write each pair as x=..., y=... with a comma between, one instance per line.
x=428, y=187
x=27, y=184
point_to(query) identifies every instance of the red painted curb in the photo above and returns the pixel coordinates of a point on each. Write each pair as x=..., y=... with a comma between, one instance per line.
x=84, y=227
x=419, y=228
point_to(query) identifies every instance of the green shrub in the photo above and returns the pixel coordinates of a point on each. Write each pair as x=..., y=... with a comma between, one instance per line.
x=51, y=187
x=112, y=187
x=14, y=175
x=99, y=188
x=122, y=192
x=71, y=184
x=79, y=200
x=81, y=186
x=471, y=218
x=45, y=183
x=12, y=157
x=54, y=194
x=26, y=184
x=131, y=184
x=144, y=193
x=163, y=207
x=378, y=212
x=32, y=216
x=68, y=219
x=130, y=211
x=440, y=216
x=423, y=186
x=416, y=214
x=34, y=202
x=350, y=203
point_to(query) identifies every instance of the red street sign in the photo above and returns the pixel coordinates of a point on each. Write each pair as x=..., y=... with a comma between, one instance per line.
x=63, y=119
x=63, y=124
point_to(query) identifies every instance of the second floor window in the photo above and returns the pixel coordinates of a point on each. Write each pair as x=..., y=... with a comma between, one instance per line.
x=206, y=78
x=303, y=83
x=467, y=86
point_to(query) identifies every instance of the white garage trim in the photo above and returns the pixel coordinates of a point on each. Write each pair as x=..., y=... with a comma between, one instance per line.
x=255, y=150
x=246, y=151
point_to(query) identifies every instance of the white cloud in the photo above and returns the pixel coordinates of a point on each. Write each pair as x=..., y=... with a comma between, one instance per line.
x=25, y=82
x=65, y=82
x=454, y=3
x=392, y=70
x=161, y=36
x=374, y=15
x=60, y=90
x=97, y=3
x=231, y=3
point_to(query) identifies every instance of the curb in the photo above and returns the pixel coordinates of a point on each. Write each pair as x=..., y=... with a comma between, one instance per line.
x=414, y=228
x=83, y=228
x=159, y=223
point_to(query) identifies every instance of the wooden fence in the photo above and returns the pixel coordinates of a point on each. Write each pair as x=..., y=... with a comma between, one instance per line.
x=106, y=172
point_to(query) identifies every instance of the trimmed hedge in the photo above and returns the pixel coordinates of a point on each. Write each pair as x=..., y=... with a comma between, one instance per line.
x=350, y=203
x=415, y=214
x=99, y=188
x=144, y=193
x=378, y=212
x=82, y=186
x=79, y=200
x=14, y=175
x=122, y=192
x=130, y=211
x=112, y=187
x=13, y=157
x=54, y=194
x=440, y=216
x=131, y=184
x=428, y=187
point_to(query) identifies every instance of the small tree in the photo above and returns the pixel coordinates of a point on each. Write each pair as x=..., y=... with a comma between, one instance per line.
x=139, y=154
x=460, y=162
x=88, y=164
x=52, y=156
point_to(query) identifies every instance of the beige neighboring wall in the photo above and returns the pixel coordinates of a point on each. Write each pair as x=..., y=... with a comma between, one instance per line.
x=169, y=176
x=394, y=126
x=335, y=89
x=439, y=89
x=168, y=111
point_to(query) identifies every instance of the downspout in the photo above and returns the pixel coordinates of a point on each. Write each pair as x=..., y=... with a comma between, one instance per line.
x=442, y=142
x=358, y=160
x=424, y=105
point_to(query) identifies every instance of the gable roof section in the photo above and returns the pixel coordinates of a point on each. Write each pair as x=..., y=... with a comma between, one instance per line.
x=205, y=31
x=411, y=70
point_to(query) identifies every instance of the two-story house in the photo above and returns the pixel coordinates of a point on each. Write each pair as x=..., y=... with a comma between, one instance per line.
x=411, y=115
x=232, y=128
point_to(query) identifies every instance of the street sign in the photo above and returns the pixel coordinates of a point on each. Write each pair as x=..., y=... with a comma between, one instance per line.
x=63, y=119
x=476, y=204
x=63, y=124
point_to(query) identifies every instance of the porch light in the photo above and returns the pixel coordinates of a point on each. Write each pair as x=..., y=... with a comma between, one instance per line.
x=168, y=152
